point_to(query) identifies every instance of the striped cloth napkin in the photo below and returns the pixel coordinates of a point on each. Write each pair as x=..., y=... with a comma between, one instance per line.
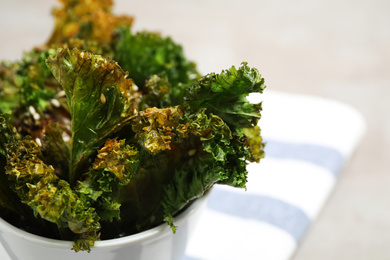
x=308, y=142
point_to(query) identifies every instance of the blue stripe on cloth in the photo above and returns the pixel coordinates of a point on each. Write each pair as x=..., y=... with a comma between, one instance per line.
x=322, y=156
x=262, y=208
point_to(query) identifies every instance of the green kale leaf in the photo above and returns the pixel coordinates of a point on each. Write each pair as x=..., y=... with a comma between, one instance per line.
x=100, y=100
x=190, y=152
x=8, y=200
x=50, y=197
x=91, y=21
x=145, y=54
x=225, y=95
x=156, y=92
x=37, y=86
x=115, y=165
x=216, y=156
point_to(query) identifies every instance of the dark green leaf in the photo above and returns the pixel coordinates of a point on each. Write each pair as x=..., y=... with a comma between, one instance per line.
x=100, y=100
x=226, y=95
x=7, y=136
x=145, y=54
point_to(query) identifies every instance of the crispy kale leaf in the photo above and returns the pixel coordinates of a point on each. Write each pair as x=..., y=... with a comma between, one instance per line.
x=191, y=152
x=223, y=125
x=8, y=200
x=37, y=87
x=156, y=128
x=49, y=196
x=29, y=91
x=114, y=167
x=225, y=95
x=11, y=208
x=186, y=149
x=92, y=21
x=145, y=54
x=31, y=87
x=100, y=101
x=214, y=156
x=156, y=92
x=256, y=144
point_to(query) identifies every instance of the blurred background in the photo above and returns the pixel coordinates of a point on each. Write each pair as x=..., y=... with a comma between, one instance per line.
x=337, y=49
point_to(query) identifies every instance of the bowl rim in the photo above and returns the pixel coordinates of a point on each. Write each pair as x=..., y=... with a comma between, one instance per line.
x=160, y=230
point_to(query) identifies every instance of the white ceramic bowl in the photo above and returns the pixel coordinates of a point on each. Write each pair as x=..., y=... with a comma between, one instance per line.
x=157, y=243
